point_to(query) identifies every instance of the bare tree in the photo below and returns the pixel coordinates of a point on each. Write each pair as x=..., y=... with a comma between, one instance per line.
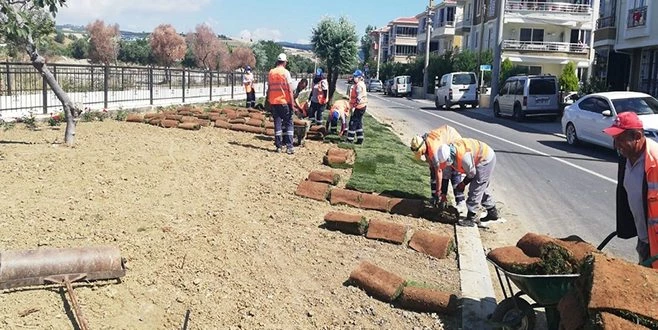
x=241, y=57
x=168, y=47
x=103, y=42
x=207, y=48
x=22, y=23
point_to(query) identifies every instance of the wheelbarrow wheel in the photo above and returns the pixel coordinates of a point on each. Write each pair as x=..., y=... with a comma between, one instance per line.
x=517, y=315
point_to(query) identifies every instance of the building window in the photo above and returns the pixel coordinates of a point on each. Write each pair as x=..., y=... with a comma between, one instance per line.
x=475, y=42
x=532, y=69
x=533, y=35
x=402, y=50
x=466, y=45
x=450, y=16
x=468, y=13
x=405, y=31
x=478, y=8
x=649, y=72
x=637, y=16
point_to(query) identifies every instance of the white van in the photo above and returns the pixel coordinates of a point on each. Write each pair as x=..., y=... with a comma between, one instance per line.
x=456, y=88
x=401, y=86
x=522, y=96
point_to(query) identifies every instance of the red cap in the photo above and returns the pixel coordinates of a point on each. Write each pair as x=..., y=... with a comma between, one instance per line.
x=625, y=120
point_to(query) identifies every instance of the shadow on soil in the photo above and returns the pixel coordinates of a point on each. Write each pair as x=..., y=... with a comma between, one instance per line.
x=247, y=145
x=14, y=142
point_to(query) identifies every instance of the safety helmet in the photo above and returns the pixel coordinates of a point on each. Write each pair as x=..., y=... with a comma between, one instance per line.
x=335, y=115
x=282, y=58
x=318, y=72
x=358, y=73
x=418, y=146
x=247, y=68
x=445, y=154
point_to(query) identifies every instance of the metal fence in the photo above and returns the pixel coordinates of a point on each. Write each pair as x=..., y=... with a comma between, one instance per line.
x=23, y=90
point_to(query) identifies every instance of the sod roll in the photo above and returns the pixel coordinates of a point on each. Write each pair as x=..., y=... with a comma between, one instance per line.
x=222, y=124
x=135, y=118
x=324, y=176
x=431, y=243
x=314, y=190
x=167, y=123
x=427, y=300
x=346, y=223
x=339, y=196
x=190, y=126
x=387, y=231
x=377, y=282
x=405, y=206
x=513, y=259
x=374, y=202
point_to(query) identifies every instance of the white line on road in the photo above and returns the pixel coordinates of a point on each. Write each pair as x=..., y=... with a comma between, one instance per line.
x=512, y=143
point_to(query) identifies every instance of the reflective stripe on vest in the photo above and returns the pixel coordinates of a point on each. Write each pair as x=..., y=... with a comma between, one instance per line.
x=435, y=138
x=361, y=86
x=651, y=171
x=279, y=90
x=478, y=149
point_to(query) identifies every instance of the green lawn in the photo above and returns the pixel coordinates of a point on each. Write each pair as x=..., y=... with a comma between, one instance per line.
x=385, y=165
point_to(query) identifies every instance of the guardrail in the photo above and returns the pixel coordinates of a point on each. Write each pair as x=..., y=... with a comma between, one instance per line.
x=545, y=46
x=22, y=89
x=562, y=7
x=605, y=22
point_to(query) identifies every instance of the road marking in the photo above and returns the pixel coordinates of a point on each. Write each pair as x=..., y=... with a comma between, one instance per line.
x=511, y=142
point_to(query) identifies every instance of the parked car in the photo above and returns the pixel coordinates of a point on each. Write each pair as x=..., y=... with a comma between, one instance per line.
x=387, y=87
x=523, y=96
x=375, y=85
x=401, y=85
x=586, y=118
x=456, y=88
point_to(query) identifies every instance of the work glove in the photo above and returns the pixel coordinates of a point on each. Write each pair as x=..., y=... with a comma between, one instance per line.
x=440, y=202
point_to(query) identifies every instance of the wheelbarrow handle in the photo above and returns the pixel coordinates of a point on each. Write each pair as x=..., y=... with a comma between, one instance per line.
x=606, y=240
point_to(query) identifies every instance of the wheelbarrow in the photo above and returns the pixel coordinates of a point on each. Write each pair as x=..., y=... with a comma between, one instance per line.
x=514, y=312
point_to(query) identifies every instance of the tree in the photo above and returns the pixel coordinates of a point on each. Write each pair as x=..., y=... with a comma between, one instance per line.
x=103, y=42
x=167, y=46
x=335, y=42
x=366, y=44
x=135, y=51
x=241, y=57
x=508, y=69
x=23, y=23
x=568, y=78
x=206, y=47
x=79, y=49
x=266, y=52
x=59, y=37
x=300, y=64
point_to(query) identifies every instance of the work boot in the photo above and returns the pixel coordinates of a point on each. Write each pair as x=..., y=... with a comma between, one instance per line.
x=469, y=221
x=290, y=151
x=278, y=150
x=461, y=207
x=492, y=215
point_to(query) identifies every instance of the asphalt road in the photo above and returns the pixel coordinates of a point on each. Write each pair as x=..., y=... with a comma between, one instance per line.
x=551, y=187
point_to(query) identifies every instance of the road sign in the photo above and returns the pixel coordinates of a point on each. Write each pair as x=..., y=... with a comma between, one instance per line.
x=485, y=67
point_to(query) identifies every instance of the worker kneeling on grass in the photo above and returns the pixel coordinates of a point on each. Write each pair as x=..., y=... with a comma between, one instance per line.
x=426, y=148
x=477, y=160
x=339, y=111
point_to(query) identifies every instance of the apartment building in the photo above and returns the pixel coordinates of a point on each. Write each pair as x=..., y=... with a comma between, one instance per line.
x=398, y=40
x=636, y=37
x=380, y=44
x=542, y=36
x=443, y=38
x=610, y=66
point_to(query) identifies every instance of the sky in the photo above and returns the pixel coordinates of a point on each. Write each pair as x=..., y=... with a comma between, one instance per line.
x=282, y=20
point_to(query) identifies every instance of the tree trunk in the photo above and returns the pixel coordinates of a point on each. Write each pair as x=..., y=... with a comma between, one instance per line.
x=332, y=83
x=334, y=79
x=70, y=109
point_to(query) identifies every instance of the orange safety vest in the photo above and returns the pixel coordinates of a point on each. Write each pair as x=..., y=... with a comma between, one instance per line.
x=435, y=139
x=278, y=87
x=651, y=172
x=322, y=97
x=478, y=149
x=342, y=107
x=364, y=96
x=248, y=86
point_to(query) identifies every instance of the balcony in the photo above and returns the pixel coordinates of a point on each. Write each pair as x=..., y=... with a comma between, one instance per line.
x=545, y=46
x=637, y=17
x=606, y=31
x=605, y=22
x=443, y=29
x=548, y=7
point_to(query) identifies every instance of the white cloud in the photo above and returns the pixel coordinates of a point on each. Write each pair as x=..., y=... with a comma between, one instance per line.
x=261, y=34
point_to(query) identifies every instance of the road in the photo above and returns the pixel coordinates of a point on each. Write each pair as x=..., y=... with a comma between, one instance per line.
x=546, y=185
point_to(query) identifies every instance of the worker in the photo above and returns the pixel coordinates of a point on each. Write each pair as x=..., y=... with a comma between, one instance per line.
x=425, y=148
x=280, y=97
x=248, y=82
x=319, y=97
x=359, y=102
x=339, y=111
x=477, y=160
x=301, y=110
x=637, y=184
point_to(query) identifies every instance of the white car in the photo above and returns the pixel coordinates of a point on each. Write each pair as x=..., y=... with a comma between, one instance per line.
x=586, y=118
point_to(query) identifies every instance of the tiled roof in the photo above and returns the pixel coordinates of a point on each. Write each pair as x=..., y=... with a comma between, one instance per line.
x=405, y=20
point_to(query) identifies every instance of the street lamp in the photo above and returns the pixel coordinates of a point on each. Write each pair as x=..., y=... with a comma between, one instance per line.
x=428, y=36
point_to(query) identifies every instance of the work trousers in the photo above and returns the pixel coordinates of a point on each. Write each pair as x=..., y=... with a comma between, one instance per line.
x=356, y=126
x=251, y=99
x=478, y=190
x=283, y=126
x=316, y=112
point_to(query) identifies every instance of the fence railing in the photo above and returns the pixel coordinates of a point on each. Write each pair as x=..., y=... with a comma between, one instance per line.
x=605, y=22
x=560, y=7
x=545, y=46
x=23, y=90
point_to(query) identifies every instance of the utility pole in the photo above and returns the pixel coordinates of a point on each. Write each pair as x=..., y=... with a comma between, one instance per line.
x=428, y=36
x=497, y=55
x=379, y=51
x=483, y=17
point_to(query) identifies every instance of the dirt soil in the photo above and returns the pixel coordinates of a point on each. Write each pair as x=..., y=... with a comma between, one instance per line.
x=208, y=221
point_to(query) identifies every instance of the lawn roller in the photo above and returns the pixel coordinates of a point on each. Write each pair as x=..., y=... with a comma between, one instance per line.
x=515, y=312
x=20, y=269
